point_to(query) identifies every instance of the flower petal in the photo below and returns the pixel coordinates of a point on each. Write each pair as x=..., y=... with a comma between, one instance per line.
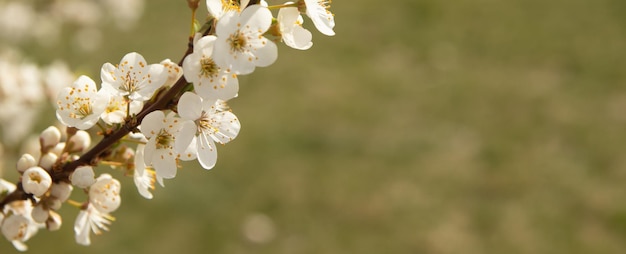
x=190, y=106
x=185, y=136
x=164, y=163
x=152, y=123
x=207, y=154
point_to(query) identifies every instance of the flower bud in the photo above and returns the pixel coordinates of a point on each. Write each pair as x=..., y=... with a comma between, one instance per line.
x=49, y=138
x=61, y=191
x=47, y=160
x=58, y=149
x=39, y=213
x=53, y=203
x=54, y=221
x=36, y=181
x=104, y=195
x=25, y=162
x=83, y=177
x=79, y=142
x=6, y=186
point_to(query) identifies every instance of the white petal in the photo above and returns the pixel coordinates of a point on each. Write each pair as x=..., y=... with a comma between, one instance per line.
x=266, y=55
x=190, y=106
x=301, y=38
x=215, y=8
x=152, y=123
x=228, y=127
x=109, y=73
x=207, y=154
x=288, y=15
x=226, y=24
x=155, y=78
x=81, y=228
x=149, y=151
x=164, y=163
x=191, y=153
x=224, y=87
x=185, y=136
x=257, y=17
x=322, y=19
x=132, y=62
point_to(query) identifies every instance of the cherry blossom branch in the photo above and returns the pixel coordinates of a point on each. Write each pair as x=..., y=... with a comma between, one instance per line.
x=91, y=157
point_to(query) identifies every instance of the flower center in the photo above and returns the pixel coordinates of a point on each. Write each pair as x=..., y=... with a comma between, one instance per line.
x=164, y=140
x=204, y=123
x=83, y=110
x=230, y=5
x=130, y=84
x=208, y=68
x=237, y=41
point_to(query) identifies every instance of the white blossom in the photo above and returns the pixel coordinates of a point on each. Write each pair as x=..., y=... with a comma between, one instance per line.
x=61, y=190
x=117, y=107
x=90, y=219
x=318, y=12
x=143, y=176
x=174, y=72
x=160, y=130
x=36, y=181
x=17, y=229
x=81, y=104
x=25, y=162
x=291, y=30
x=47, y=160
x=49, y=137
x=205, y=122
x=133, y=77
x=240, y=45
x=217, y=8
x=104, y=194
x=79, y=141
x=83, y=177
x=40, y=213
x=209, y=80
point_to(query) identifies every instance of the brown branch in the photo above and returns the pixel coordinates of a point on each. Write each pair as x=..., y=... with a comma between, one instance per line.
x=162, y=100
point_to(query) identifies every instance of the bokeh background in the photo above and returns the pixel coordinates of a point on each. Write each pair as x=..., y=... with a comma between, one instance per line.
x=423, y=126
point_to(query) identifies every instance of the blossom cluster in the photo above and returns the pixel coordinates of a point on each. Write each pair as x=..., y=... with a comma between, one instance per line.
x=151, y=116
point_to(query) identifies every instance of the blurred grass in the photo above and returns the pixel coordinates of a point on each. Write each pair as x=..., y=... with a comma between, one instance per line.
x=422, y=127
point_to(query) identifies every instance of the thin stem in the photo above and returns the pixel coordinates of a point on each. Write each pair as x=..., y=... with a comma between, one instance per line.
x=193, y=23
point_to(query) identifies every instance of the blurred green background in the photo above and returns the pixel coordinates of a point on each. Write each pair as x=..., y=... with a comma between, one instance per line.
x=423, y=126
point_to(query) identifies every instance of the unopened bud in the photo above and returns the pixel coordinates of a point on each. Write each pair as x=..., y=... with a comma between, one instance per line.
x=39, y=213
x=36, y=181
x=104, y=195
x=54, y=221
x=53, y=203
x=49, y=138
x=58, y=149
x=193, y=4
x=79, y=142
x=83, y=177
x=61, y=191
x=25, y=162
x=47, y=160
